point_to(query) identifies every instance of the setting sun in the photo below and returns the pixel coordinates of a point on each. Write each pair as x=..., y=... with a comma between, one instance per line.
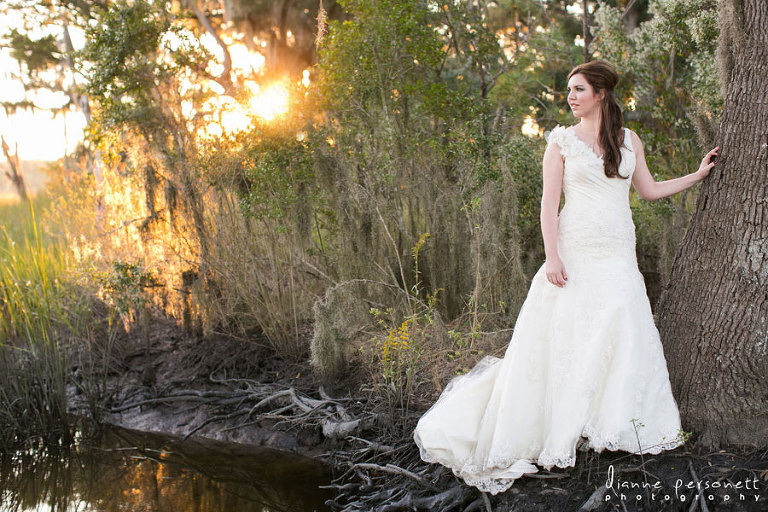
x=222, y=113
x=270, y=102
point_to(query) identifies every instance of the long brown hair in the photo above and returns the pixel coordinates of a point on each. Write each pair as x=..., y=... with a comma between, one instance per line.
x=603, y=77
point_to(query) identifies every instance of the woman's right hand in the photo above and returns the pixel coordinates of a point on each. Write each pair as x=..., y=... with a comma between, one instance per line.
x=707, y=163
x=555, y=271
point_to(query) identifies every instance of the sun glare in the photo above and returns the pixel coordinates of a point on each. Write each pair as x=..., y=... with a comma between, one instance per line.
x=222, y=113
x=270, y=102
x=244, y=60
x=530, y=127
x=212, y=119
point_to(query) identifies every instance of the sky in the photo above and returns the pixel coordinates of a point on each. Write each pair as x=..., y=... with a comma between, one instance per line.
x=38, y=134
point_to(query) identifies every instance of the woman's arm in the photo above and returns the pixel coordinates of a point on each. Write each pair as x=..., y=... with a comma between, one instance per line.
x=649, y=189
x=550, y=202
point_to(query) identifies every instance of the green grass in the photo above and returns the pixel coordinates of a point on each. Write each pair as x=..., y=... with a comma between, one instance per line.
x=41, y=316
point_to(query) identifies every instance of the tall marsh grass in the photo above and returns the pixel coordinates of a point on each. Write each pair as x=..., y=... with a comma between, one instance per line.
x=41, y=315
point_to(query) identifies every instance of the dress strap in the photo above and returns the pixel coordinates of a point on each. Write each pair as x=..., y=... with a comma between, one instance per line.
x=628, y=139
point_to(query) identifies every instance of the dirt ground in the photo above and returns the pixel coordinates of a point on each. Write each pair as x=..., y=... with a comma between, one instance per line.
x=682, y=479
x=226, y=389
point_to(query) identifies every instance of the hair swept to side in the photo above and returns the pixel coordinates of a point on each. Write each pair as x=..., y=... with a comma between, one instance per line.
x=602, y=76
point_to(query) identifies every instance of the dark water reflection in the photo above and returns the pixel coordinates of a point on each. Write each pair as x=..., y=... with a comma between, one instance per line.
x=129, y=471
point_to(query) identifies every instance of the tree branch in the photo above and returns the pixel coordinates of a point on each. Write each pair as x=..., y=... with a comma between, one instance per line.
x=224, y=79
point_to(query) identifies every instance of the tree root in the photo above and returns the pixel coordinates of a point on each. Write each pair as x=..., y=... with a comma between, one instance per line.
x=377, y=475
x=387, y=476
x=391, y=468
x=253, y=402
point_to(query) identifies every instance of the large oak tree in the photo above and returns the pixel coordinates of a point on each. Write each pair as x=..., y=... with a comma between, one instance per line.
x=713, y=317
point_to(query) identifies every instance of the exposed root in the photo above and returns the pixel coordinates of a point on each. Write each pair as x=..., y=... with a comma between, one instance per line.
x=391, y=468
x=388, y=476
x=249, y=399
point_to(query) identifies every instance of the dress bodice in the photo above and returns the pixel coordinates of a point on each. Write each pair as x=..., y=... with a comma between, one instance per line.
x=596, y=219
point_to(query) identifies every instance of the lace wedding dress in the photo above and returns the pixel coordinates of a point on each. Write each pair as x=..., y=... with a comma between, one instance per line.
x=585, y=360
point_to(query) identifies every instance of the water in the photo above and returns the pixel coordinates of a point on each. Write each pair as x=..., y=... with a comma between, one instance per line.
x=129, y=471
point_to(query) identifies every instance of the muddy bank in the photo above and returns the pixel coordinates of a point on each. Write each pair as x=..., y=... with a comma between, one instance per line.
x=221, y=389
x=229, y=390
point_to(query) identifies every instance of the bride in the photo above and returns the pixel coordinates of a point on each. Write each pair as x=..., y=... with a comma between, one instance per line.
x=585, y=359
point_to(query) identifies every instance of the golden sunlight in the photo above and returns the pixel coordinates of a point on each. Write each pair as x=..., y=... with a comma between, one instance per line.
x=530, y=127
x=271, y=101
x=224, y=113
x=244, y=60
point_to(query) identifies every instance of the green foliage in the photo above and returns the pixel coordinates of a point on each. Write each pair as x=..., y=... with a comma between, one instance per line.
x=42, y=312
x=126, y=285
x=523, y=159
x=121, y=59
x=387, y=69
x=134, y=50
x=541, y=39
x=669, y=60
x=407, y=88
x=275, y=170
x=385, y=53
x=37, y=54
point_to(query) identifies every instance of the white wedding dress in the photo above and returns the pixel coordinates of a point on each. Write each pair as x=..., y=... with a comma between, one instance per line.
x=584, y=360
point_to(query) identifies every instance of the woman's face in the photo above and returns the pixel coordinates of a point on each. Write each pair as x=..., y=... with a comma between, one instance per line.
x=581, y=97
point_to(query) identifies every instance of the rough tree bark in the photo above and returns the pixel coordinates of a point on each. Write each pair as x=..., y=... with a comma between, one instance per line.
x=713, y=316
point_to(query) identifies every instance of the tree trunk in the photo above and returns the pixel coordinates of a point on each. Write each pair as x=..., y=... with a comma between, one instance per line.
x=585, y=30
x=14, y=172
x=713, y=316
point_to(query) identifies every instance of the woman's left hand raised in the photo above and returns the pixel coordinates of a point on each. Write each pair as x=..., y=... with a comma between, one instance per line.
x=708, y=162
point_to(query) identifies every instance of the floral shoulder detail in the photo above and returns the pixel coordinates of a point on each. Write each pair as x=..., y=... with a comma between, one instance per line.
x=570, y=145
x=559, y=136
x=556, y=135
